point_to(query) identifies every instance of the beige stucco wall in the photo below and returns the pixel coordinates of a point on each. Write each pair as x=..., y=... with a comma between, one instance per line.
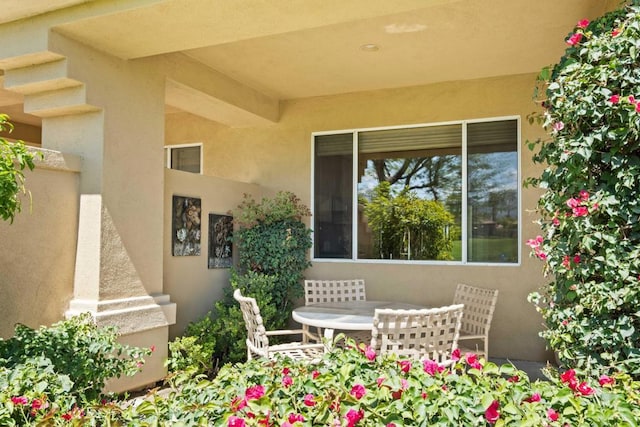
x=37, y=251
x=279, y=158
x=191, y=284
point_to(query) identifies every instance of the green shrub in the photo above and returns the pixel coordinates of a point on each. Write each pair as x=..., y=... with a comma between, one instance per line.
x=32, y=390
x=76, y=348
x=193, y=352
x=590, y=240
x=272, y=243
x=14, y=159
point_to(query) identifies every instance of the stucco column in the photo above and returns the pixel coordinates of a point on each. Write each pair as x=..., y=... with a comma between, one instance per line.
x=119, y=258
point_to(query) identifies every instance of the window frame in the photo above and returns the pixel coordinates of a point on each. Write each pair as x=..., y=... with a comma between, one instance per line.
x=168, y=149
x=354, y=180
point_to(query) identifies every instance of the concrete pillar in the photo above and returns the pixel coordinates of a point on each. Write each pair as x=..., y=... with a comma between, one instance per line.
x=110, y=113
x=118, y=274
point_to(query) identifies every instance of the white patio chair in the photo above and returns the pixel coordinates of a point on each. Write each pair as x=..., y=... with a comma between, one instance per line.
x=258, y=337
x=318, y=291
x=343, y=290
x=479, y=305
x=430, y=333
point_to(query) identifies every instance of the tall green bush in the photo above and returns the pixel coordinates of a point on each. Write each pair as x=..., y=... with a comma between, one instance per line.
x=590, y=208
x=273, y=243
x=14, y=159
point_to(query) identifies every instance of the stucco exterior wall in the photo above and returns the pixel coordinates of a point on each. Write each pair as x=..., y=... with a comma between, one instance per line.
x=189, y=281
x=279, y=158
x=37, y=251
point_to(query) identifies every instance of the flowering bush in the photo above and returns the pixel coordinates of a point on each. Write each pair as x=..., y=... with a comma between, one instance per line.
x=590, y=241
x=355, y=387
x=74, y=357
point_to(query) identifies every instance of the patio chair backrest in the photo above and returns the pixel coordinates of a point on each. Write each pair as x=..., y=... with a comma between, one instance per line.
x=319, y=291
x=423, y=334
x=257, y=340
x=479, y=305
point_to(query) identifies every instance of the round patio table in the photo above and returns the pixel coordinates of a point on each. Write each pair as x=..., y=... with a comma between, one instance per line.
x=349, y=315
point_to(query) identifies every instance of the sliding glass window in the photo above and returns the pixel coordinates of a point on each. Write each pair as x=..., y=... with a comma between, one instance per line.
x=423, y=193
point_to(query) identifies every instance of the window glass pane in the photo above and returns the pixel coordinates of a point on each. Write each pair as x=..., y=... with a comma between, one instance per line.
x=492, y=200
x=186, y=159
x=332, y=214
x=409, y=193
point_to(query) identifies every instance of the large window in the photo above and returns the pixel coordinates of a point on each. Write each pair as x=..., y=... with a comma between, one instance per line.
x=444, y=192
x=185, y=157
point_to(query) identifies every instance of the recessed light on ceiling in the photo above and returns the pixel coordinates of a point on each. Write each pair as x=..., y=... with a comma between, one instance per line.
x=370, y=47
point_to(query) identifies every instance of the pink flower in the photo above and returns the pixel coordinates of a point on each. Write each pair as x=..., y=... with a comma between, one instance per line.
x=583, y=23
x=605, y=380
x=558, y=126
x=287, y=381
x=472, y=360
x=234, y=421
x=615, y=32
x=20, y=400
x=514, y=379
x=552, y=414
x=535, y=243
x=576, y=259
x=152, y=348
x=569, y=377
x=254, y=392
x=638, y=107
x=535, y=397
x=405, y=365
x=380, y=380
x=455, y=354
x=424, y=395
x=309, y=400
x=432, y=367
x=237, y=404
x=580, y=211
x=67, y=416
x=492, y=414
x=584, y=195
x=555, y=221
x=391, y=425
x=614, y=99
x=632, y=99
x=285, y=371
x=358, y=391
x=286, y=424
x=370, y=353
x=38, y=404
x=584, y=389
x=542, y=255
x=573, y=203
x=294, y=418
x=353, y=417
x=574, y=39
x=315, y=374
x=565, y=262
